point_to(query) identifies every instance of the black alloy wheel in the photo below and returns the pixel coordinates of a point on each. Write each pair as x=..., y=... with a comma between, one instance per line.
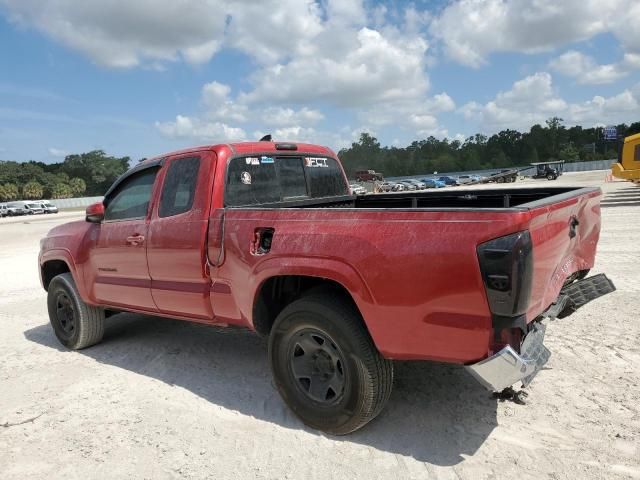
x=317, y=366
x=65, y=314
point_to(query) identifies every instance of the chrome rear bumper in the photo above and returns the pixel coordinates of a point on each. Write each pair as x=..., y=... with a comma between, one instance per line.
x=508, y=367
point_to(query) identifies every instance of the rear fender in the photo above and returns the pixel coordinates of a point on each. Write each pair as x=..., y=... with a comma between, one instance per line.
x=331, y=269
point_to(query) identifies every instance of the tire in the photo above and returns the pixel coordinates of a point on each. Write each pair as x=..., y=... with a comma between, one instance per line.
x=500, y=180
x=340, y=382
x=76, y=324
x=551, y=177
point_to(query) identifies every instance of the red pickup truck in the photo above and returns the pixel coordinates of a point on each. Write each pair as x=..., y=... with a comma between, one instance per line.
x=267, y=236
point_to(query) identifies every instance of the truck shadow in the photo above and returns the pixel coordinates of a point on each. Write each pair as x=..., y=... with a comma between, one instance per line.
x=436, y=413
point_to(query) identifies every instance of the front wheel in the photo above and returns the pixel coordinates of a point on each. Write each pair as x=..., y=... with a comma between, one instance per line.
x=76, y=324
x=551, y=176
x=326, y=366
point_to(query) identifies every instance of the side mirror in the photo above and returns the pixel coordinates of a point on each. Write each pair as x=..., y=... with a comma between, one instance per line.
x=95, y=213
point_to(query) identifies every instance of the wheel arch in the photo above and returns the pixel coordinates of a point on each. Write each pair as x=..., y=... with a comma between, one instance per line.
x=278, y=291
x=56, y=262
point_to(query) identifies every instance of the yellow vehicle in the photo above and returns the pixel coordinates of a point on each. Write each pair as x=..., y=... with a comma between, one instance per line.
x=628, y=165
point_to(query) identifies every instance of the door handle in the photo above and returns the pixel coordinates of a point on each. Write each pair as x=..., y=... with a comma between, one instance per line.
x=261, y=242
x=135, y=240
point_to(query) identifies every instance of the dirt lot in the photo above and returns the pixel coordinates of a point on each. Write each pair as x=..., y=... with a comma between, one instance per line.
x=167, y=399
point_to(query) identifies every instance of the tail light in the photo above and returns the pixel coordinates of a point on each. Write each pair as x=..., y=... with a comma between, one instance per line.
x=506, y=264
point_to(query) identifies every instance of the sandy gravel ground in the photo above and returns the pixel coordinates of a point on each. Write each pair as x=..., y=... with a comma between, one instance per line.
x=166, y=399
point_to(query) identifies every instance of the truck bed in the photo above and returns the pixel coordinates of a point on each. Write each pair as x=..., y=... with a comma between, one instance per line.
x=514, y=199
x=410, y=260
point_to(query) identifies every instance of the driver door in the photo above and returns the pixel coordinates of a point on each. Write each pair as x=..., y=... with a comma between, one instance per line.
x=119, y=259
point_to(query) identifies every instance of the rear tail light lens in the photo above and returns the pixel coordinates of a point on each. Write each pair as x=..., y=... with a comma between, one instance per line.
x=506, y=264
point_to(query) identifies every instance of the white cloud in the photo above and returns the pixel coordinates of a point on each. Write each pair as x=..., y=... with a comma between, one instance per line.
x=417, y=117
x=57, y=152
x=348, y=68
x=470, y=30
x=282, y=117
x=585, y=69
x=219, y=105
x=621, y=108
x=270, y=30
x=533, y=100
x=124, y=33
x=330, y=55
x=194, y=128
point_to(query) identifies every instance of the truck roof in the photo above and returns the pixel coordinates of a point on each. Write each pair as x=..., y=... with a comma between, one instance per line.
x=252, y=147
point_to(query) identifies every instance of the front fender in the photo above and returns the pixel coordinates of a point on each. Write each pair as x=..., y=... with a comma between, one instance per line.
x=64, y=255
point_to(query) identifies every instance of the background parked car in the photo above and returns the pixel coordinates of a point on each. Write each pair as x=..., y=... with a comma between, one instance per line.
x=449, y=181
x=419, y=185
x=357, y=189
x=433, y=183
x=48, y=207
x=391, y=187
x=3, y=211
x=34, y=208
x=462, y=179
x=407, y=185
x=368, y=176
x=15, y=209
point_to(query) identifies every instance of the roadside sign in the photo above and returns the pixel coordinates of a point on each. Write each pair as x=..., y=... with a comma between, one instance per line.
x=610, y=133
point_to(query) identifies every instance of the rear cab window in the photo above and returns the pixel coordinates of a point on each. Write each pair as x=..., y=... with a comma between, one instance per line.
x=263, y=179
x=179, y=187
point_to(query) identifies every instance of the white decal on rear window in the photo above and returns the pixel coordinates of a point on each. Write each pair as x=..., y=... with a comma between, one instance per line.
x=315, y=162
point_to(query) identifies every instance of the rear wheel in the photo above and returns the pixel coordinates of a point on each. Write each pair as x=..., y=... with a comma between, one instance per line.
x=551, y=176
x=76, y=324
x=325, y=365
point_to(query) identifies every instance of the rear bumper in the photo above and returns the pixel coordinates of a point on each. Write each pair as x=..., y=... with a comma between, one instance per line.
x=507, y=367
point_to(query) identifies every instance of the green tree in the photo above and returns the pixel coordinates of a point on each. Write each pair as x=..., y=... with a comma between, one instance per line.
x=77, y=186
x=8, y=191
x=96, y=168
x=32, y=190
x=633, y=129
x=569, y=153
x=61, y=190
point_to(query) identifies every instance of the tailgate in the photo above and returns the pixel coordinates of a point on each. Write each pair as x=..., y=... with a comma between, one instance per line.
x=564, y=234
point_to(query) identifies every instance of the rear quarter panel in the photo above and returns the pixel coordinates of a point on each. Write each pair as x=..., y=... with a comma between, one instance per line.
x=555, y=254
x=413, y=275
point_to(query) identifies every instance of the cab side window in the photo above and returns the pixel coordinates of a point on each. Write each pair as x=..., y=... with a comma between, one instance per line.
x=179, y=187
x=131, y=198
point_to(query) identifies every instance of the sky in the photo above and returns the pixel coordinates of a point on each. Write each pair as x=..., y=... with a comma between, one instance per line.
x=143, y=77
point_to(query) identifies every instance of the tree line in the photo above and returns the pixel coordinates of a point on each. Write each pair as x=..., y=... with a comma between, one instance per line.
x=508, y=148
x=86, y=174
x=93, y=172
